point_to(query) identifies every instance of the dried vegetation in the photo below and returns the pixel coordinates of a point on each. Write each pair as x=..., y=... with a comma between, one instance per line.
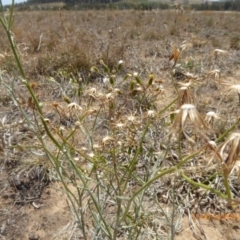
x=137, y=111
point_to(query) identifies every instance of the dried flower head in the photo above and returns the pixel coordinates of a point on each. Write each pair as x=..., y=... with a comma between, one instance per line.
x=78, y=124
x=237, y=168
x=91, y=91
x=91, y=155
x=135, y=74
x=34, y=85
x=210, y=117
x=184, y=96
x=185, y=84
x=235, y=87
x=106, y=97
x=217, y=52
x=89, y=112
x=132, y=119
x=212, y=145
x=188, y=112
x=46, y=120
x=110, y=96
x=56, y=105
x=216, y=74
x=175, y=55
x=139, y=89
x=96, y=147
x=74, y=107
x=119, y=125
x=160, y=90
x=150, y=114
x=117, y=91
x=190, y=76
x=94, y=69
x=232, y=88
x=106, y=80
x=107, y=140
x=230, y=152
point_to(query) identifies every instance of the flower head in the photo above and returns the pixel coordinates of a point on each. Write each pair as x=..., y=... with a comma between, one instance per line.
x=74, y=106
x=190, y=113
x=106, y=80
x=135, y=74
x=210, y=116
x=107, y=140
x=230, y=152
x=150, y=114
x=185, y=96
x=216, y=74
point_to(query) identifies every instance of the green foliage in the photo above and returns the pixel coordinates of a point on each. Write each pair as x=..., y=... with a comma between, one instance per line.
x=218, y=6
x=98, y=4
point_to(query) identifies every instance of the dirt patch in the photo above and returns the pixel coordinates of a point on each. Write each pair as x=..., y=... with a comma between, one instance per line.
x=206, y=229
x=44, y=218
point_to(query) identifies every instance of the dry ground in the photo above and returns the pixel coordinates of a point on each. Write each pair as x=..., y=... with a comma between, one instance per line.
x=64, y=45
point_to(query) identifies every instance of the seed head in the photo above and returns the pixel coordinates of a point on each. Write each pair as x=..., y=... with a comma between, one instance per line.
x=94, y=69
x=233, y=87
x=119, y=125
x=110, y=96
x=218, y=51
x=117, y=90
x=91, y=155
x=216, y=74
x=150, y=114
x=74, y=106
x=107, y=140
x=91, y=91
x=55, y=104
x=185, y=96
x=132, y=119
x=106, y=80
x=89, y=112
x=96, y=146
x=230, y=152
x=78, y=124
x=188, y=112
x=212, y=145
x=135, y=74
x=210, y=116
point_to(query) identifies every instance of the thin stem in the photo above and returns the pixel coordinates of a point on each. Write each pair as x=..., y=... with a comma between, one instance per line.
x=197, y=184
x=226, y=184
x=119, y=192
x=227, y=132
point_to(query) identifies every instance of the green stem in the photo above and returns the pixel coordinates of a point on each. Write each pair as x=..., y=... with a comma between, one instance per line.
x=197, y=184
x=226, y=184
x=169, y=105
x=159, y=175
x=135, y=158
x=119, y=193
x=227, y=132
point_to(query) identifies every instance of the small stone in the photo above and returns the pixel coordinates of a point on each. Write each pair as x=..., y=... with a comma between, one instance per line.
x=33, y=236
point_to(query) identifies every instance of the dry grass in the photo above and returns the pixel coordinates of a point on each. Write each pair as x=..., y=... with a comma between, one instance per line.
x=115, y=117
